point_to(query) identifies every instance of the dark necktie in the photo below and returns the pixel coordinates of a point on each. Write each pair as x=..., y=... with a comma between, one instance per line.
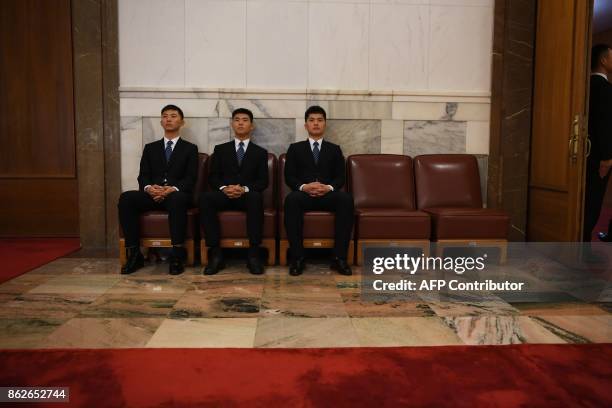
x=168, y=150
x=315, y=152
x=240, y=152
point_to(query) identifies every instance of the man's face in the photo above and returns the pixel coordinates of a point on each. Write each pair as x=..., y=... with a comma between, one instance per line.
x=171, y=121
x=315, y=125
x=242, y=125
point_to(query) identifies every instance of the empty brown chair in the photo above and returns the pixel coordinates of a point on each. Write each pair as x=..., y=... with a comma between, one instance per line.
x=448, y=188
x=318, y=225
x=154, y=226
x=383, y=189
x=233, y=226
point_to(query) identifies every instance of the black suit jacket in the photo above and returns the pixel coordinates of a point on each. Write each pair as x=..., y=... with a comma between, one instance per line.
x=600, y=118
x=181, y=171
x=300, y=167
x=251, y=173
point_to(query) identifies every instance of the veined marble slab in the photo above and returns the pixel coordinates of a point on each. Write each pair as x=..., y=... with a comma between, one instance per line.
x=355, y=136
x=430, y=137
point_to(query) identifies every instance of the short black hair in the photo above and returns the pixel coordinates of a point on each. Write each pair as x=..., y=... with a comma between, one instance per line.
x=173, y=107
x=243, y=110
x=314, y=109
x=597, y=52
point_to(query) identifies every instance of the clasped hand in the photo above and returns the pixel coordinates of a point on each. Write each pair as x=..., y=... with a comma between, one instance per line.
x=316, y=189
x=234, y=190
x=159, y=193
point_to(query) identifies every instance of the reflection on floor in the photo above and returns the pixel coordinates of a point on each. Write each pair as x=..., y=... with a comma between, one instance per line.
x=86, y=303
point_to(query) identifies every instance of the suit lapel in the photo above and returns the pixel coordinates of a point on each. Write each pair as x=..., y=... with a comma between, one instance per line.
x=308, y=152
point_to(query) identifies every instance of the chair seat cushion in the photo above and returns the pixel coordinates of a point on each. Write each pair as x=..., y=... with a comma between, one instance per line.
x=317, y=225
x=468, y=223
x=233, y=224
x=154, y=224
x=383, y=223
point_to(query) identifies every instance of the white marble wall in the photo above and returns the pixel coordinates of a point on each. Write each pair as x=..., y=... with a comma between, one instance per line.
x=400, y=45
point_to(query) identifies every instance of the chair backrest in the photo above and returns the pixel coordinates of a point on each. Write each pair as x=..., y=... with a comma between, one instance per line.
x=447, y=180
x=202, y=180
x=381, y=181
x=269, y=194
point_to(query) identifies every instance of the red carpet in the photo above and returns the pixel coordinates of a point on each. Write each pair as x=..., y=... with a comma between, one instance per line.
x=460, y=376
x=20, y=255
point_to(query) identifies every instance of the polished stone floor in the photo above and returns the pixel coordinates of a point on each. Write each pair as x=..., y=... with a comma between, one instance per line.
x=86, y=303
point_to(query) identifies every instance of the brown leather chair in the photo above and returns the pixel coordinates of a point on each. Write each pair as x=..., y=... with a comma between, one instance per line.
x=383, y=189
x=233, y=223
x=154, y=227
x=448, y=188
x=318, y=225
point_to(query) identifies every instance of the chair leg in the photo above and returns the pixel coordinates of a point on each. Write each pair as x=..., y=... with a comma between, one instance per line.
x=190, y=247
x=350, y=258
x=122, y=255
x=270, y=245
x=282, y=257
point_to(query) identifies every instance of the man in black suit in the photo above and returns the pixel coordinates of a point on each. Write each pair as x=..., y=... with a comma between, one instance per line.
x=168, y=172
x=315, y=171
x=238, y=176
x=599, y=161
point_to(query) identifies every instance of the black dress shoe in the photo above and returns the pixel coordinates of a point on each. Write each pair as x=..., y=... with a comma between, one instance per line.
x=135, y=261
x=215, y=262
x=604, y=237
x=176, y=266
x=340, y=265
x=255, y=266
x=297, y=267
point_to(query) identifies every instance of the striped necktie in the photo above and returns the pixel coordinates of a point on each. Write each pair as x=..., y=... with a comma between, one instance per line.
x=316, y=152
x=168, y=150
x=240, y=152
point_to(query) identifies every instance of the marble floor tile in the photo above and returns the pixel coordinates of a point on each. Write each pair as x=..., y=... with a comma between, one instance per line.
x=26, y=333
x=219, y=332
x=80, y=266
x=580, y=329
x=6, y=297
x=303, y=303
x=559, y=309
x=24, y=283
x=403, y=331
x=496, y=330
x=286, y=332
x=149, y=285
x=131, y=305
x=470, y=304
x=59, y=306
x=357, y=305
x=103, y=333
x=194, y=304
x=91, y=284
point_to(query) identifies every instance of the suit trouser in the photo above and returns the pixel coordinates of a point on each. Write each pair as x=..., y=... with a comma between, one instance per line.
x=339, y=202
x=134, y=203
x=212, y=202
x=594, y=193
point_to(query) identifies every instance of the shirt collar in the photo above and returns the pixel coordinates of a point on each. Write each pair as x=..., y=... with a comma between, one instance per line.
x=174, y=141
x=601, y=75
x=237, y=142
x=311, y=141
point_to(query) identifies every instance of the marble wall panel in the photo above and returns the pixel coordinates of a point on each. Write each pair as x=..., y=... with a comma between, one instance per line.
x=355, y=136
x=263, y=108
x=131, y=150
x=419, y=110
x=151, y=43
x=215, y=43
x=427, y=137
x=153, y=106
x=392, y=136
x=460, y=51
x=477, y=137
x=276, y=55
x=338, y=45
x=359, y=110
x=274, y=134
x=400, y=32
x=219, y=131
